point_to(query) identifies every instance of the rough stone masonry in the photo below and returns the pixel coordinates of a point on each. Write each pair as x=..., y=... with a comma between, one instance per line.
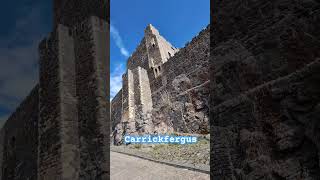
x=60, y=131
x=165, y=89
x=265, y=93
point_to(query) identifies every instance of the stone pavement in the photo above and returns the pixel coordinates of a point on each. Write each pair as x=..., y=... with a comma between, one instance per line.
x=125, y=167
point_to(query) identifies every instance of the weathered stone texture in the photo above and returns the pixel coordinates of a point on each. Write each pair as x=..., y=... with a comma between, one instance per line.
x=19, y=141
x=128, y=106
x=185, y=88
x=152, y=52
x=116, y=115
x=49, y=110
x=262, y=41
x=58, y=118
x=61, y=130
x=72, y=12
x=270, y=131
x=142, y=100
x=165, y=89
x=116, y=109
x=264, y=90
x=139, y=57
x=91, y=66
x=159, y=50
x=69, y=111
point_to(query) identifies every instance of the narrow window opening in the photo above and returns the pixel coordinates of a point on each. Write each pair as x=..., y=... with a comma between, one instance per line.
x=70, y=32
x=169, y=54
x=13, y=142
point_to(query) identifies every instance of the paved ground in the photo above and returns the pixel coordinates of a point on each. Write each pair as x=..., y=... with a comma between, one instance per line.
x=124, y=167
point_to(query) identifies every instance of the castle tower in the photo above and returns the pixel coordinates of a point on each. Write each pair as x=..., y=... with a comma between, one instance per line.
x=159, y=50
x=73, y=117
x=128, y=107
x=136, y=102
x=71, y=12
x=144, y=68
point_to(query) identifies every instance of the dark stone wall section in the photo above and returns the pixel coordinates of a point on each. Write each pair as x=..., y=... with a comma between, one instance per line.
x=264, y=92
x=270, y=131
x=61, y=130
x=19, y=138
x=256, y=42
x=90, y=106
x=72, y=12
x=69, y=112
x=49, y=110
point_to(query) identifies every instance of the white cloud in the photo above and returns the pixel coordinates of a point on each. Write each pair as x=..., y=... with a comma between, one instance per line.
x=118, y=40
x=116, y=80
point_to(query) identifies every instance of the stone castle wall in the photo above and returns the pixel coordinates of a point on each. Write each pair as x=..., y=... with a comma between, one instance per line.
x=139, y=57
x=65, y=119
x=72, y=69
x=91, y=89
x=49, y=101
x=265, y=95
x=116, y=109
x=72, y=12
x=19, y=141
x=178, y=84
x=180, y=95
x=271, y=129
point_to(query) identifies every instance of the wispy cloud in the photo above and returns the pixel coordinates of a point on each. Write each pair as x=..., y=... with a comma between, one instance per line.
x=116, y=80
x=118, y=40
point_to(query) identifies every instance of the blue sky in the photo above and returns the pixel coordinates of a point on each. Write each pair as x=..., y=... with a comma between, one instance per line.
x=177, y=20
x=23, y=24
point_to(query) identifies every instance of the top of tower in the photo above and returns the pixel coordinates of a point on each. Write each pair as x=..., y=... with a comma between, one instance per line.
x=153, y=50
x=159, y=50
x=151, y=29
x=70, y=12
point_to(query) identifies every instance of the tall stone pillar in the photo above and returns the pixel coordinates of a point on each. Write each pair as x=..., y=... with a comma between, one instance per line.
x=142, y=100
x=91, y=49
x=128, y=108
x=58, y=148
